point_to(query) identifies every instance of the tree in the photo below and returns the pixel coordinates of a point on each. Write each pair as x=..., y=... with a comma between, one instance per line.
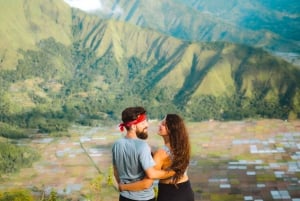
x=16, y=195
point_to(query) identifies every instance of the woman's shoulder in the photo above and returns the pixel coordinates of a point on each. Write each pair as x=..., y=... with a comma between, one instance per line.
x=163, y=151
x=162, y=158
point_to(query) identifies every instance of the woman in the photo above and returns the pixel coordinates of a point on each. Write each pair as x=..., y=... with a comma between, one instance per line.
x=175, y=155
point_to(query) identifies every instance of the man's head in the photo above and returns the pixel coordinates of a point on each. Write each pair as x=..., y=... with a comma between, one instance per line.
x=135, y=118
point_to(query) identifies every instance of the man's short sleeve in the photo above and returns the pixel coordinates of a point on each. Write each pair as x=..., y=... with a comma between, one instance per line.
x=146, y=157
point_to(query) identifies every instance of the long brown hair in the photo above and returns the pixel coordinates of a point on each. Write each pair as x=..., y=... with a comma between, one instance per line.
x=180, y=145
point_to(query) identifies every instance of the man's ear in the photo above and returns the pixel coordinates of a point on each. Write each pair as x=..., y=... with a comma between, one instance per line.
x=133, y=127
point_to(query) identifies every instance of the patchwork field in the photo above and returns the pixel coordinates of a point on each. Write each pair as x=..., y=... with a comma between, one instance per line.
x=243, y=160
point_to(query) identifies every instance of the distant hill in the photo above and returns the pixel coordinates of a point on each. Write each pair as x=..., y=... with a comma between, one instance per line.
x=272, y=25
x=60, y=65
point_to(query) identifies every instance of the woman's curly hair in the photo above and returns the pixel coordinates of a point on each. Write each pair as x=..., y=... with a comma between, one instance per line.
x=180, y=145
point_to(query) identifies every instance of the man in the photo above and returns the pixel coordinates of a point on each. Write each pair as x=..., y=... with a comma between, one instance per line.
x=131, y=155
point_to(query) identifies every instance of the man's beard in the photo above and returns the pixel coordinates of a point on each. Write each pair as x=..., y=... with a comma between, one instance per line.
x=142, y=134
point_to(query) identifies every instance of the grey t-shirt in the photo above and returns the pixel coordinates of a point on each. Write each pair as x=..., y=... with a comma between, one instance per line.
x=132, y=157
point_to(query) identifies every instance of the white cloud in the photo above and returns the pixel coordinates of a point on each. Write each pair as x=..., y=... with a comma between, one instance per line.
x=94, y=5
x=85, y=5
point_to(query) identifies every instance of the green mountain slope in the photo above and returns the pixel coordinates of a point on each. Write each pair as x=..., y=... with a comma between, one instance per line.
x=97, y=67
x=272, y=25
x=24, y=23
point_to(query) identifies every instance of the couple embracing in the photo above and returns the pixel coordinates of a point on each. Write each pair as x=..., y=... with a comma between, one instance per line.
x=135, y=168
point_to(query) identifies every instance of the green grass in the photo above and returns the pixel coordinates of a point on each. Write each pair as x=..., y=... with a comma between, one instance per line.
x=226, y=197
x=266, y=177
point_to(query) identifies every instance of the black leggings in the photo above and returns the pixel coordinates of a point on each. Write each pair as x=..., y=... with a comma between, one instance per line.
x=169, y=192
x=121, y=198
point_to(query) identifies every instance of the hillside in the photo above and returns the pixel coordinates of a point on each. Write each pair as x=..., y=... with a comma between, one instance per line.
x=271, y=25
x=25, y=23
x=71, y=66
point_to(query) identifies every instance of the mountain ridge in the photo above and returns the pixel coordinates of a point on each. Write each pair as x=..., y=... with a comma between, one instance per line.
x=112, y=64
x=255, y=23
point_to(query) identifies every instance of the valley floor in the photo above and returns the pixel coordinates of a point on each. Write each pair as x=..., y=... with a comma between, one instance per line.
x=237, y=160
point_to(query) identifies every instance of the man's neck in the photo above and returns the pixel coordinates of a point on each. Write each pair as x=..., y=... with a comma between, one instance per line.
x=131, y=134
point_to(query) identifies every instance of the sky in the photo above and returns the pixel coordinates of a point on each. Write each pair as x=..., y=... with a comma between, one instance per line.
x=92, y=6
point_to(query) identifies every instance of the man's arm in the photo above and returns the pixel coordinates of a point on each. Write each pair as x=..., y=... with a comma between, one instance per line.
x=136, y=186
x=159, y=157
x=116, y=174
x=146, y=182
x=153, y=173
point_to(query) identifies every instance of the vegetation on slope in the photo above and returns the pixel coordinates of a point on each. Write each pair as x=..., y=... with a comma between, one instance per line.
x=110, y=65
x=13, y=157
x=59, y=85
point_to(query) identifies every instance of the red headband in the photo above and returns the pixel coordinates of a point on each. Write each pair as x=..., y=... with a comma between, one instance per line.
x=140, y=118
